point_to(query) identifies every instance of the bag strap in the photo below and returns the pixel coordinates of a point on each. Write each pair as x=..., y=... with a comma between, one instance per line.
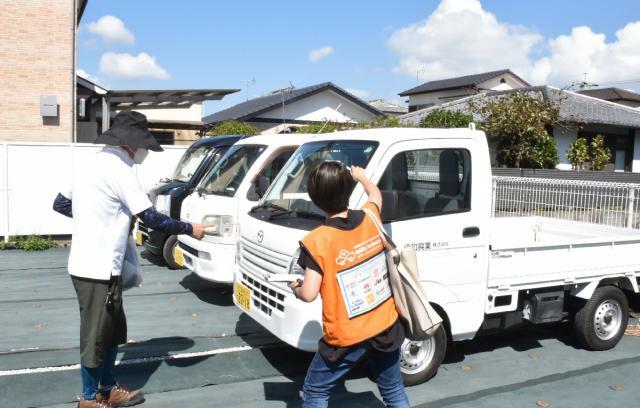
x=386, y=239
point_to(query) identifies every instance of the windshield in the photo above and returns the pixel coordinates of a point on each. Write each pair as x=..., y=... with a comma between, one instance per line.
x=289, y=192
x=226, y=176
x=190, y=162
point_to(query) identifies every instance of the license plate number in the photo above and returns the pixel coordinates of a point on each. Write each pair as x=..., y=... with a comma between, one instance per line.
x=243, y=296
x=139, y=238
x=178, y=256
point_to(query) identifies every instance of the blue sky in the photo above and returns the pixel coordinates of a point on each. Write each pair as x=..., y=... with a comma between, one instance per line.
x=374, y=48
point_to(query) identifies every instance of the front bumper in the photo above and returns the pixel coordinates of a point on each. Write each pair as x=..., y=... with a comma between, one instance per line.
x=273, y=306
x=211, y=261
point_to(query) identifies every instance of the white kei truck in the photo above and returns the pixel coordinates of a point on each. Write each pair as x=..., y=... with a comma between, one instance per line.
x=234, y=185
x=480, y=273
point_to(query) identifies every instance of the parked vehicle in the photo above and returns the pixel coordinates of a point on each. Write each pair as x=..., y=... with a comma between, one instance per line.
x=481, y=273
x=231, y=188
x=169, y=193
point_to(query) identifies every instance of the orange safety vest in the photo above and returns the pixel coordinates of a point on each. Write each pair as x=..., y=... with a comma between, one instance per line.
x=357, y=303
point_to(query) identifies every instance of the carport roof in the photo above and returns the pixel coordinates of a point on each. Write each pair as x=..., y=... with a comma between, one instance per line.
x=574, y=107
x=163, y=98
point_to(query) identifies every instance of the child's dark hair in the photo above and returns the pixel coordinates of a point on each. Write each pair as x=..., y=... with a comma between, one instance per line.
x=329, y=186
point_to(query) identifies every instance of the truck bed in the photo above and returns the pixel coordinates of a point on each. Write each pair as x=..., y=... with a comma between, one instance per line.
x=530, y=252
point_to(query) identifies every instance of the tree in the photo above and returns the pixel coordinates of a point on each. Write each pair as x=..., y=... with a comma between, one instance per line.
x=578, y=153
x=440, y=118
x=328, y=127
x=518, y=122
x=232, y=127
x=599, y=153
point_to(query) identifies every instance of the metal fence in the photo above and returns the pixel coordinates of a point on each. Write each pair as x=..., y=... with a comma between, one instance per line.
x=614, y=204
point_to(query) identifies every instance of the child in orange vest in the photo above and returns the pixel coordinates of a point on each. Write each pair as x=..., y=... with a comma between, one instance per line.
x=344, y=262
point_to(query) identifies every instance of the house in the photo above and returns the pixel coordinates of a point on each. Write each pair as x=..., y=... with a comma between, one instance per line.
x=617, y=95
x=434, y=93
x=284, y=110
x=388, y=108
x=619, y=124
x=174, y=115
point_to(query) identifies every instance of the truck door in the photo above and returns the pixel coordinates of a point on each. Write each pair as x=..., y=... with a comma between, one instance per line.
x=443, y=213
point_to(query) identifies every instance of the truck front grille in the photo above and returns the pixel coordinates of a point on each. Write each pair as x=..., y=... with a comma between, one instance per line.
x=263, y=298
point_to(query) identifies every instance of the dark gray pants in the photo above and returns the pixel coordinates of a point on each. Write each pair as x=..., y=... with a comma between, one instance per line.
x=102, y=325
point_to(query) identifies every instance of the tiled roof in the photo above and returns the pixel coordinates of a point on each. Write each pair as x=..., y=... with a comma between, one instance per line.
x=459, y=82
x=386, y=106
x=254, y=107
x=611, y=94
x=574, y=107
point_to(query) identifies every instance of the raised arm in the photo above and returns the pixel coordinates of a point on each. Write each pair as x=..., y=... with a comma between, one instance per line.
x=160, y=222
x=375, y=196
x=62, y=205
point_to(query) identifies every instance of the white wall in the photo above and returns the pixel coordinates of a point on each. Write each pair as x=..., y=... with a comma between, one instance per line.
x=563, y=138
x=635, y=165
x=320, y=107
x=32, y=174
x=194, y=113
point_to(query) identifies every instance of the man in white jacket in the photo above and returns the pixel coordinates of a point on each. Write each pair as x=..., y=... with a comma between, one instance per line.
x=103, y=201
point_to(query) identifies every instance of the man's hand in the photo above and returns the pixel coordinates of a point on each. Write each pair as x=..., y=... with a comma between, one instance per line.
x=358, y=173
x=198, y=230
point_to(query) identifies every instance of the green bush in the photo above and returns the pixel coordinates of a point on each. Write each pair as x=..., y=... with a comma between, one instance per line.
x=233, y=127
x=599, y=153
x=381, y=122
x=311, y=128
x=440, y=118
x=578, y=153
x=29, y=243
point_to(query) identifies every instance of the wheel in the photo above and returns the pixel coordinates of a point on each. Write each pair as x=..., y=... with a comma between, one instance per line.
x=600, y=323
x=419, y=360
x=168, y=252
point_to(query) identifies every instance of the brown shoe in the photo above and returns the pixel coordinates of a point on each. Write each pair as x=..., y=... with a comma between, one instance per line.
x=83, y=403
x=121, y=397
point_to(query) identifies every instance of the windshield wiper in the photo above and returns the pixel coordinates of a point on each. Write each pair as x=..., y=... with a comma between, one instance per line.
x=277, y=210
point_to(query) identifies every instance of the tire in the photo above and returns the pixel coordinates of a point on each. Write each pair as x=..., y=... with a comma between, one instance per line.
x=601, y=321
x=167, y=252
x=420, y=360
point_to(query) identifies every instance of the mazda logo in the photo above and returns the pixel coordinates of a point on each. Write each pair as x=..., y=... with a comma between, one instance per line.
x=260, y=236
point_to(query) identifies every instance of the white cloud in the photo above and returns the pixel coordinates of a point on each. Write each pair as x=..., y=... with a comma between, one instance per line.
x=360, y=93
x=320, y=53
x=81, y=72
x=585, y=51
x=112, y=30
x=127, y=67
x=460, y=38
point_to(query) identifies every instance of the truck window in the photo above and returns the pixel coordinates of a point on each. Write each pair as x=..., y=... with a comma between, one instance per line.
x=429, y=182
x=227, y=175
x=271, y=169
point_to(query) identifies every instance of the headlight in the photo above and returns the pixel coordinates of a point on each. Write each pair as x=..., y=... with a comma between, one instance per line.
x=294, y=268
x=219, y=225
x=163, y=204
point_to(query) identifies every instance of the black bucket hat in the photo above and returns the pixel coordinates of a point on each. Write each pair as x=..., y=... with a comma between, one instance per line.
x=130, y=128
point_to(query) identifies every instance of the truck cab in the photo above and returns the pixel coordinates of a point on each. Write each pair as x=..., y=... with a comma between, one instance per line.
x=234, y=185
x=479, y=272
x=167, y=195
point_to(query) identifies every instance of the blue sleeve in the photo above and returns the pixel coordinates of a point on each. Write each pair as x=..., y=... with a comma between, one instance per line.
x=62, y=205
x=160, y=222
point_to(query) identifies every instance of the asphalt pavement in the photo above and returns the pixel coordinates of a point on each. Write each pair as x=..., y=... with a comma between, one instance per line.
x=190, y=347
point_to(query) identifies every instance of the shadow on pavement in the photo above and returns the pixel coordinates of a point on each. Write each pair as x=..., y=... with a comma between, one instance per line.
x=292, y=364
x=154, y=259
x=213, y=293
x=148, y=356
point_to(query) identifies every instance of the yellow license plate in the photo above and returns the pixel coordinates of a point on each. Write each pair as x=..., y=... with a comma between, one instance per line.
x=139, y=238
x=178, y=256
x=243, y=296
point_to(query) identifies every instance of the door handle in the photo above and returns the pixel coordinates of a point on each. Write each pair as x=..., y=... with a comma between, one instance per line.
x=470, y=232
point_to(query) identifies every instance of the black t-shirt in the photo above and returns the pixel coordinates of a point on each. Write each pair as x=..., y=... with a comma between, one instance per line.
x=390, y=339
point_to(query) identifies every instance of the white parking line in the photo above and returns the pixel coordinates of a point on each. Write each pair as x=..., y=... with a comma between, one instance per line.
x=143, y=360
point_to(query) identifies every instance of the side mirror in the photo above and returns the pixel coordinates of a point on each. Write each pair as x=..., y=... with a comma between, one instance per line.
x=262, y=185
x=389, y=206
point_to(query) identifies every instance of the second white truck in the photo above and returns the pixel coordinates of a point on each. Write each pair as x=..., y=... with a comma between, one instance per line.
x=481, y=273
